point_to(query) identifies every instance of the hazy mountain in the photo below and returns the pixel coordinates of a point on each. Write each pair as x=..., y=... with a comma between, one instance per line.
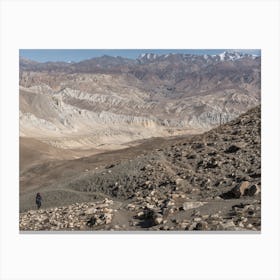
x=114, y=100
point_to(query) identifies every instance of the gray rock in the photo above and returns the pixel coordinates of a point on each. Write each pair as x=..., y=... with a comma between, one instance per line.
x=90, y=211
x=158, y=220
x=192, y=204
x=241, y=189
x=252, y=190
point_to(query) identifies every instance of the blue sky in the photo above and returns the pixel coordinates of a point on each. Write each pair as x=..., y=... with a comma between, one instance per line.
x=43, y=55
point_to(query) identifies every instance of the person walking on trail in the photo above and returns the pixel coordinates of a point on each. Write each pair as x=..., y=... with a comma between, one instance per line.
x=38, y=200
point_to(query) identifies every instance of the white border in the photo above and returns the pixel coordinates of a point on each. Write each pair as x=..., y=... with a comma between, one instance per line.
x=135, y=24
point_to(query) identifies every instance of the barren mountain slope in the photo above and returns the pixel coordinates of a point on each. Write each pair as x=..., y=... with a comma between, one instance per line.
x=112, y=101
x=210, y=181
x=35, y=152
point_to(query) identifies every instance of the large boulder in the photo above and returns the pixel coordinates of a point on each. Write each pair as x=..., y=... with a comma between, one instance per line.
x=240, y=189
x=243, y=189
x=252, y=190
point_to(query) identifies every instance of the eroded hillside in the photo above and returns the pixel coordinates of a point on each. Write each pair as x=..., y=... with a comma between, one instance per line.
x=105, y=103
x=210, y=181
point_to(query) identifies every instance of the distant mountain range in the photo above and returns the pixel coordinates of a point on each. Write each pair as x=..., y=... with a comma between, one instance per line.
x=114, y=100
x=107, y=61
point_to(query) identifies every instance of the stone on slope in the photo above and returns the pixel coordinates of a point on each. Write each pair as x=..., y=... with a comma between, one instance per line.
x=243, y=189
x=191, y=205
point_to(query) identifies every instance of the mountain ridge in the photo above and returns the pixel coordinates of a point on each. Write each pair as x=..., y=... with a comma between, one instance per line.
x=171, y=95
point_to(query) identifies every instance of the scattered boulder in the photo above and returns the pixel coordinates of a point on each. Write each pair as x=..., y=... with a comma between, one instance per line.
x=158, y=219
x=202, y=225
x=90, y=211
x=228, y=225
x=232, y=149
x=243, y=189
x=192, y=204
x=239, y=190
x=72, y=217
x=252, y=190
x=91, y=222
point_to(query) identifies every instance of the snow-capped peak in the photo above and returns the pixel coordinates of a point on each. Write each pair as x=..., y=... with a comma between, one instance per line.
x=148, y=57
x=232, y=56
x=222, y=56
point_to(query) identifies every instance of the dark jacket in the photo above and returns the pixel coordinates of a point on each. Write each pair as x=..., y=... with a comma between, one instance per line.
x=38, y=198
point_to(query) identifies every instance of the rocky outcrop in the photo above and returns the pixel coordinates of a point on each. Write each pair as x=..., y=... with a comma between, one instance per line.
x=78, y=216
x=244, y=189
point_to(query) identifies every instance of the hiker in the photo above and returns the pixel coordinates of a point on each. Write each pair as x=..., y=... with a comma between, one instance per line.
x=38, y=200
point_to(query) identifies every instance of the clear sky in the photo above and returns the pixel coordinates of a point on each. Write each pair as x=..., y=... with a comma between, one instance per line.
x=43, y=55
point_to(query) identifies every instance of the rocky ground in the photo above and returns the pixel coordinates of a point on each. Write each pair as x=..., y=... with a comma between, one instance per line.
x=210, y=182
x=172, y=215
